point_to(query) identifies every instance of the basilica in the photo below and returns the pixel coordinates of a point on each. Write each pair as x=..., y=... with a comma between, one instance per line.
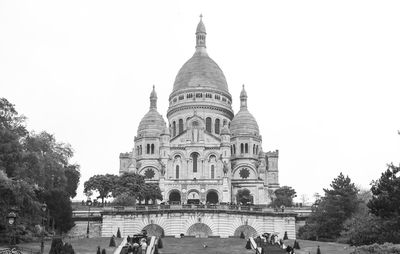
x=205, y=152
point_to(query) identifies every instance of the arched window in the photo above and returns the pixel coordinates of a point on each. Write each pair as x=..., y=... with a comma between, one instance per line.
x=208, y=124
x=224, y=122
x=177, y=172
x=254, y=149
x=148, y=149
x=234, y=149
x=174, y=129
x=246, y=148
x=140, y=149
x=217, y=126
x=195, y=156
x=180, y=126
x=241, y=148
x=152, y=148
x=212, y=171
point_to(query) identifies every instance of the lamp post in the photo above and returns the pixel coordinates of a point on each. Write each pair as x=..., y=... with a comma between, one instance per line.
x=44, y=209
x=89, y=204
x=11, y=218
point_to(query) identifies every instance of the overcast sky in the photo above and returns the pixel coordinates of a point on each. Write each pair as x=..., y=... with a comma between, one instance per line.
x=322, y=77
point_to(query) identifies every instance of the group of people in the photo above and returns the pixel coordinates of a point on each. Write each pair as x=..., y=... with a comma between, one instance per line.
x=137, y=244
x=272, y=239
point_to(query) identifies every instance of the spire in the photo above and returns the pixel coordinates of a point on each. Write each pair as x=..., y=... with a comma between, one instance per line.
x=243, y=98
x=201, y=34
x=153, y=99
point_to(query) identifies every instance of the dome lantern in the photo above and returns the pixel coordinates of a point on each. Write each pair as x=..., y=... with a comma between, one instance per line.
x=201, y=34
x=243, y=98
x=153, y=99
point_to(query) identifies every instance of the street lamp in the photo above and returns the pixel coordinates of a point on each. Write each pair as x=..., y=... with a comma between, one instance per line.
x=44, y=209
x=11, y=218
x=89, y=204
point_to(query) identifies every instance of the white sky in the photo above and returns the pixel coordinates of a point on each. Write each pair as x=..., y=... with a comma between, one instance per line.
x=322, y=77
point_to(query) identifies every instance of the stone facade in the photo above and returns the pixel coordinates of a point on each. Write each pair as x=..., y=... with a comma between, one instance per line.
x=198, y=223
x=205, y=152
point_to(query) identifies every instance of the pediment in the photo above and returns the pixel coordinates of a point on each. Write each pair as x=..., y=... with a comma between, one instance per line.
x=195, y=136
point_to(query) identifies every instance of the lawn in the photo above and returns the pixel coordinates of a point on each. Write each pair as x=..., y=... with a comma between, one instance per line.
x=81, y=246
x=237, y=246
x=195, y=246
x=326, y=247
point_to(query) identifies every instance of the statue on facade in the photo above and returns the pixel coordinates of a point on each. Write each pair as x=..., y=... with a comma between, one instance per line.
x=226, y=167
x=162, y=171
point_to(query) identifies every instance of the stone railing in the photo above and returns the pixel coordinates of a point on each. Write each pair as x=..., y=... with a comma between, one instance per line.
x=139, y=208
x=96, y=215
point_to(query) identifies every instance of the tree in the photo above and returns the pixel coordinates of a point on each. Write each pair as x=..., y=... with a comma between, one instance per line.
x=151, y=192
x=332, y=210
x=12, y=131
x=284, y=196
x=73, y=175
x=385, y=202
x=21, y=196
x=59, y=205
x=103, y=184
x=130, y=184
x=47, y=160
x=244, y=197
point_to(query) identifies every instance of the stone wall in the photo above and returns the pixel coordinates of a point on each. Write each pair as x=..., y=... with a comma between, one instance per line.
x=80, y=229
x=200, y=223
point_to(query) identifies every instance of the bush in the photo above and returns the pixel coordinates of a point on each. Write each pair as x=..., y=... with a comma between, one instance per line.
x=318, y=250
x=159, y=243
x=118, y=234
x=386, y=248
x=248, y=244
x=103, y=251
x=296, y=245
x=67, y=249
x=56, y=246
x=112, y=242
x=128, y=239
x=285, y=237
x=98, y=250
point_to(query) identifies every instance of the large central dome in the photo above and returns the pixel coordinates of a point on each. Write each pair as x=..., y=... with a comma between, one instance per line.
x=200, y=70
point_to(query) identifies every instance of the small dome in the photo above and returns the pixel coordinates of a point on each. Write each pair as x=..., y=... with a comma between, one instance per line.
x=152, y=124
x=244, y=123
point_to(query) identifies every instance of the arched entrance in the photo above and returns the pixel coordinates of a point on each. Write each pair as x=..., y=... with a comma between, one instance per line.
x=174, y=197
x=154, y=230
x=199, y=230
x=247, y=231
x=193, y=197
x=212, y=197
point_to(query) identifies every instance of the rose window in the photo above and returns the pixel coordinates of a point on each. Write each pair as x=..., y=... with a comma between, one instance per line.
x=149, y=173
x=244, y=173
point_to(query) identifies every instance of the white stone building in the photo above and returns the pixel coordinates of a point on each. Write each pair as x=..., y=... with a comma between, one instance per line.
x=206, y=152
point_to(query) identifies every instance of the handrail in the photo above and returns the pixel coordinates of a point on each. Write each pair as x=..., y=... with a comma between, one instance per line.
x=152, y=246
x=254, y=246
